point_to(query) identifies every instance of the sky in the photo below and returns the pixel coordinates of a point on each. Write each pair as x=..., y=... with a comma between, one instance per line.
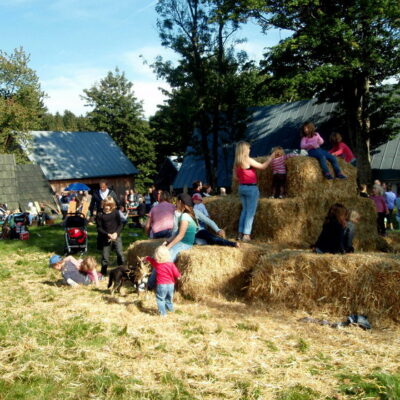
x=73, y=44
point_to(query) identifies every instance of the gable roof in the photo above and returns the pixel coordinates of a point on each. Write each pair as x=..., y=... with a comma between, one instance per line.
x=77, y=155
x=385, y=160
x=269, y=126
x=22, y=183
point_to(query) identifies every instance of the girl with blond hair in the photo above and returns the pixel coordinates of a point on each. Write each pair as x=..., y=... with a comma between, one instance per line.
x=166, y=276
x=244, y=171
x=109, y=227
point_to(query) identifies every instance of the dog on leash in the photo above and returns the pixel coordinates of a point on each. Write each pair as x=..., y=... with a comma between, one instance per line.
x=137, y=274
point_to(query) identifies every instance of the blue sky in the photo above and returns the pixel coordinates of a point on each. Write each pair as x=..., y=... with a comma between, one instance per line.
x=74, y=43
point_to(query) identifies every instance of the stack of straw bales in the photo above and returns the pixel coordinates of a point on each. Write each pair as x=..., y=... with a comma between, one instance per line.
x=297, y=219
x=208, y=270
x=353, y=283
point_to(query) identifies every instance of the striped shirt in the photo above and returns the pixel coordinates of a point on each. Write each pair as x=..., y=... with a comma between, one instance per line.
x=278, y=164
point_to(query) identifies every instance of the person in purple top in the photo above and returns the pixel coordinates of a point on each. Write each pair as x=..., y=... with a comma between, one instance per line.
x=390, y=198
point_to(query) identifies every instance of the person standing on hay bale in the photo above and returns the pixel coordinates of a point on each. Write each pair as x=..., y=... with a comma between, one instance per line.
x=166, y=274
x=187, y=227
x=244, y=171
x=311, y=141
x=332, y=237
x=340, y=149
x=381, y=208
x=279, y=172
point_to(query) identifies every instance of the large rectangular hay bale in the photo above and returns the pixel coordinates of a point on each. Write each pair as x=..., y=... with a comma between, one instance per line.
x=294, y=221
x=353, y=283
x=208, y=271
x=305, y=179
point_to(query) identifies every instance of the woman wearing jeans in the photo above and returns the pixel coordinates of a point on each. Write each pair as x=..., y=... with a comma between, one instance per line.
x=245, y=172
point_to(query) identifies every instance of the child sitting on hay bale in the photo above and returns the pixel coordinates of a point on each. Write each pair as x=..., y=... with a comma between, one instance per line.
x=332, y=237
x=311, y=141
x=165, y=274
x=76, y=272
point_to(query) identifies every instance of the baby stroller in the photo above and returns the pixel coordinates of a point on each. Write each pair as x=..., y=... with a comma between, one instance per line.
x=15, y=226
x=76, y=239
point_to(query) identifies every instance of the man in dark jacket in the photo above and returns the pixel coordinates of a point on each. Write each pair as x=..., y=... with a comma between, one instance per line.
x=99, y=195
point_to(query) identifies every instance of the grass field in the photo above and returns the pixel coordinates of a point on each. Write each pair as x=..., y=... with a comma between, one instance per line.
x=58, y=342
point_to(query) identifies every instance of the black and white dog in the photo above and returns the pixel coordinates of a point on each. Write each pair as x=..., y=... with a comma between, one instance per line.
x=138, y=274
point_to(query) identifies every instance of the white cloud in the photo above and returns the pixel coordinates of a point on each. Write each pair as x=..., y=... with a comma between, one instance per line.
x=65, y=89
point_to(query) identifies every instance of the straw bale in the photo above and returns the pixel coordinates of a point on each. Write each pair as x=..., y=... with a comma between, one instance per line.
x=294, y=221
x=392, y=240
x=209, y=270
x=354, y=283
x=305, y=179
x=142, y=248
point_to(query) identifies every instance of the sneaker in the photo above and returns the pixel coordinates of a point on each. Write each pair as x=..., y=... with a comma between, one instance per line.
x=280, y=197
x=328, y=176
x=246, y=238
x=341, y=176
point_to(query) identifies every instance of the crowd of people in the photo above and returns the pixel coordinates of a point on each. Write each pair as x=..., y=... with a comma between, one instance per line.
x=183, y=221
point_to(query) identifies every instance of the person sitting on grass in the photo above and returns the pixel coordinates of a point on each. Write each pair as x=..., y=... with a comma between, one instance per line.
x=76, y=272
x=166, y=275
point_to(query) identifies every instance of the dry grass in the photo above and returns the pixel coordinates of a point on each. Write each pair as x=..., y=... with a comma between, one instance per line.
x=80, y=343
x=295, y=221
x=354, y=283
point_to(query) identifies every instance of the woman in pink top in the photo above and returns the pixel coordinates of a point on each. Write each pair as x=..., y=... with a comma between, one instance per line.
x=340, y=149
x=311, y=141
x=244, y=171
x=161, y=218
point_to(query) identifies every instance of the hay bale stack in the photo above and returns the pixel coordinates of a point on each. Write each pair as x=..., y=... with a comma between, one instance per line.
x=209, y=270
x=305, y=179
x=363, y=284
x=296, y=222
x=142, y=248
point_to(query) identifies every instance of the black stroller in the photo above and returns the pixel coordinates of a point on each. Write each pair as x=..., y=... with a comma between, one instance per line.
x=76, y=238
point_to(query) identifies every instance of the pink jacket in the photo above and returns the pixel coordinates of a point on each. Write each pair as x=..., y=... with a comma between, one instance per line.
x=308, y=143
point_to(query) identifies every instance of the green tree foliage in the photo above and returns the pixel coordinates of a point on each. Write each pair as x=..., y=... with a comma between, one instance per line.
x=213, y=84
x=117, y=112
x=339, y=51
x=68, y=122
x=21, y=101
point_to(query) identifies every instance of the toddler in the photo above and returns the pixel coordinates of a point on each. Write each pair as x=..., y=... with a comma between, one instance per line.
x=311, y=141
x=279, y=171
x=76, y=272
x=166, y=275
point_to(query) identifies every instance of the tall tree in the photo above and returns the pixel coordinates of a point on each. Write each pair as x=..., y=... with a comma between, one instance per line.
x=340, y=50
x=21, y=101
x=208, y=73
x=117, y=111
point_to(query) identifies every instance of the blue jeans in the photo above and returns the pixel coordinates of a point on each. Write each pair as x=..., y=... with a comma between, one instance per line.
x=164, y=298
x=211, y=239
x=322, y=155
x=175, y=250
x=249, y=197
x=166, y=233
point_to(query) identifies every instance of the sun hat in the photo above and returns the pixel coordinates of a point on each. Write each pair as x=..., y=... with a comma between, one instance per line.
x=54, y=259
x=197, y=196
x=185, y=199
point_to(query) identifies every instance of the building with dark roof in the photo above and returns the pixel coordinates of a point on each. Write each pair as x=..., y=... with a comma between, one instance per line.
x=385, y=162
x=86, y=157
x=22, y=183
x=269, y=126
